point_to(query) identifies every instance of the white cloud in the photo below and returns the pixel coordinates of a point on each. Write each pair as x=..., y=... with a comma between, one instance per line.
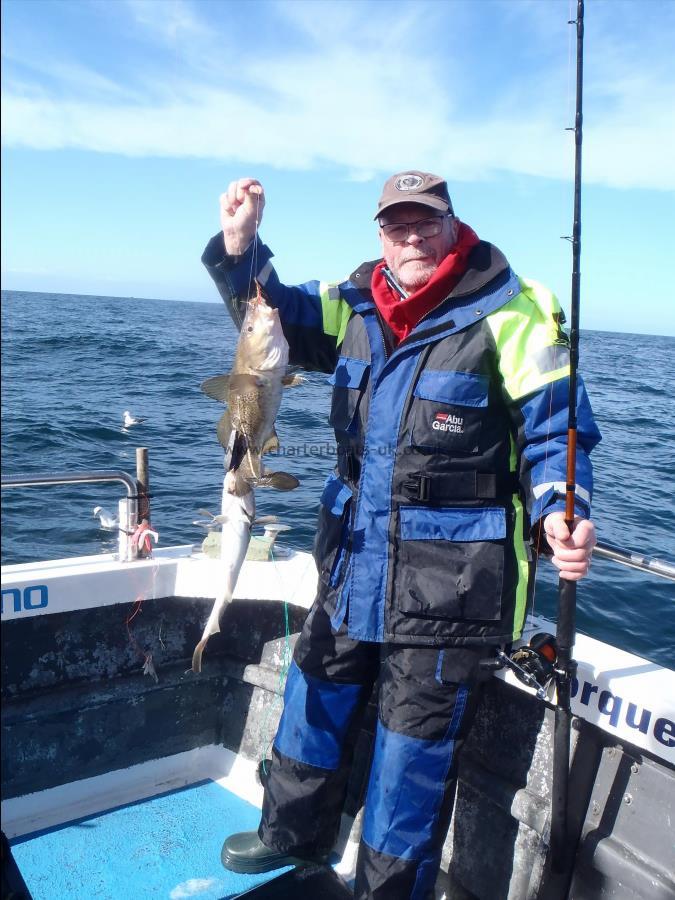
x=69, y=75
x=331, y=102
x=172, y=21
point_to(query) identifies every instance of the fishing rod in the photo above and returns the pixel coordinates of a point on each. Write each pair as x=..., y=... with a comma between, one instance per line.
x=565, y=666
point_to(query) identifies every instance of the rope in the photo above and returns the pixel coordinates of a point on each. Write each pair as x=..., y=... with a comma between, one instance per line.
x=143, y=537
x=145, y=655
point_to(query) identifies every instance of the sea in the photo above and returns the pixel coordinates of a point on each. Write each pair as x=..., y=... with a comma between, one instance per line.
x=71, y=366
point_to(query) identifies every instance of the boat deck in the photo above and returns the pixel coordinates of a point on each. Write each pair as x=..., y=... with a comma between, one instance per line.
x=120, y=784
x=151, y=831
x=166, y=846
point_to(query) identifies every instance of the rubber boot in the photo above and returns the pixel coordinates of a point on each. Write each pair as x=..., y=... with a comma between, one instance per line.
x=245, y=853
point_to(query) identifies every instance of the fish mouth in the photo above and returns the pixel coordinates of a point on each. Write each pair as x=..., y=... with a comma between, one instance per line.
x=259, y=309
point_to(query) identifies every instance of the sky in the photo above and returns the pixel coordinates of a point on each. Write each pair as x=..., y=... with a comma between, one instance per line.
x=124, y=120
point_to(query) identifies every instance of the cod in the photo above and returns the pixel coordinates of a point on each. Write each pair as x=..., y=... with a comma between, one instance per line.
x=252, y=392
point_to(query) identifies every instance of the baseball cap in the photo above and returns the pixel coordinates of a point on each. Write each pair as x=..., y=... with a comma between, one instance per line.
x=415, y=187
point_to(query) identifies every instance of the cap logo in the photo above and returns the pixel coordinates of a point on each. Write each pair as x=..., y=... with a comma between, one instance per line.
x=408, y=183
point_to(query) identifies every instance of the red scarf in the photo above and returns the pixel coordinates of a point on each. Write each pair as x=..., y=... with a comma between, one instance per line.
x=403, y=315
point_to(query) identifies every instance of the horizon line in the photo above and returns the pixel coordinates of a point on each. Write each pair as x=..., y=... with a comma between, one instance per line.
x=215, y=302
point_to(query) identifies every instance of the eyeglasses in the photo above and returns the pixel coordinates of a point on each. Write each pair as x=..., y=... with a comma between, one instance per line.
x=425, y=228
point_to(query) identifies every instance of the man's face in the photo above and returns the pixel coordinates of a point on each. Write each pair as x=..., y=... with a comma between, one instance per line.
x=414, y=260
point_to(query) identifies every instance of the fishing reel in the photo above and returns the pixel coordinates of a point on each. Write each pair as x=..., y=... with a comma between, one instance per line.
x=537, y=659
x=533, y=663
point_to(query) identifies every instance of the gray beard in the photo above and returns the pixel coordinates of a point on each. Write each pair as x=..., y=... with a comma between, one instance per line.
x=415, y=277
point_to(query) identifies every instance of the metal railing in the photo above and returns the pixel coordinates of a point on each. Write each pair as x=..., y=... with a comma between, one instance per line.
x=128, y=518
x=128, y=506
x=635, y=560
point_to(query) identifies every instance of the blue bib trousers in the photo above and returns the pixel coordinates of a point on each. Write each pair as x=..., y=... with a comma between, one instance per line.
x=426, y=702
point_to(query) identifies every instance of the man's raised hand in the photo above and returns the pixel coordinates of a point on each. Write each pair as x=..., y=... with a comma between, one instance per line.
x=241, y=209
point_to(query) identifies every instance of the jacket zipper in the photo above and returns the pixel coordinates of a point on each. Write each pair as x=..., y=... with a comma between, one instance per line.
x=382, y=334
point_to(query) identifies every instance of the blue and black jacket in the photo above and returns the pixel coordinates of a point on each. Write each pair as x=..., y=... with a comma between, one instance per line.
x=452, y=444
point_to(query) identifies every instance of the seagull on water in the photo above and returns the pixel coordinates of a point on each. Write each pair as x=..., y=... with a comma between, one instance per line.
x=130, y=420
x=108, y=521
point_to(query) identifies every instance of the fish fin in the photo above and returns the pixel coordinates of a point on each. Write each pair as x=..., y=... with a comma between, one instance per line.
x=246, y=382
x=266, y=520
x=271, y=444
x=217, y=387
x=281, y=481
x=293, y=380
x=224, y=429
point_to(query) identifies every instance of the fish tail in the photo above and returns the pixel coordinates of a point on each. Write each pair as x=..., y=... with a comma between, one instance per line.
x=197, y=656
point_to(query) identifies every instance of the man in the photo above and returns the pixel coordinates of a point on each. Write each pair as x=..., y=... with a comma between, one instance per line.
x=450, y=413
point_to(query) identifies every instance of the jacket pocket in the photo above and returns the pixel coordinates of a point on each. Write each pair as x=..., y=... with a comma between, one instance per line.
x=452, y=562
x=448, y=411
x=349, y=380
x=332, y=533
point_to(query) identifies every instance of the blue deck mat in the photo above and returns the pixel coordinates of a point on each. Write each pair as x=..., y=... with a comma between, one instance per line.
x=167, y=846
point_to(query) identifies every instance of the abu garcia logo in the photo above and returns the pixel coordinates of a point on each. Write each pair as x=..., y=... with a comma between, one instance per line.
x=447, y=422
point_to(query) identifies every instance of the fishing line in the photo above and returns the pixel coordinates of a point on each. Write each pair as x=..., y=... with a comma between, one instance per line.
x=144, y=654
x=236, y=308
x=254, y=257
x=541, y=534
x=570, y=36
x=287, y=654
x=283, y=673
